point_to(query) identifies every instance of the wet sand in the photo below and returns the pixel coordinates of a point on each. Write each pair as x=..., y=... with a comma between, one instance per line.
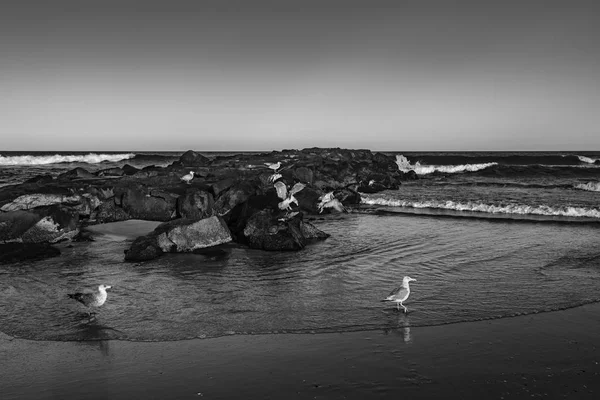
x=549, y=355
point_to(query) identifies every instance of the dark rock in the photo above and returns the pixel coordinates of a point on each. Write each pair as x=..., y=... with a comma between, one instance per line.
x=141, y=202
x=76, y=173
x=266, y=230
x=308, y=199
x=15, y=252
x=192, y=159
x=129, y=170
x=237, y=194
x=57, y=223
x=15, y=223
x=108, y=211
x=222, y=185
x=40, y=179
x=239, y=215
x=143, y=248
x=411, y=175
x=111, y=172
x=195, y=204
x=304, y=175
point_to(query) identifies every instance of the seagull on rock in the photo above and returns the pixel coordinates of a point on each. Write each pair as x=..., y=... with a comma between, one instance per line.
x=287, y=198
x=273, y=166
x=328, y=200
x=91, y=298
x=187, y=178
x=400, y=294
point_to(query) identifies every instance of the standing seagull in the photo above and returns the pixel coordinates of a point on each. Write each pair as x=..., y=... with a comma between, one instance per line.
x=187, y=178
x=273, y=166
x=400, y=294
x=90, y=298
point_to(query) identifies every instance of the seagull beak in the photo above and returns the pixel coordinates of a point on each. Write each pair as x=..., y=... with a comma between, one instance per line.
x=108, y=287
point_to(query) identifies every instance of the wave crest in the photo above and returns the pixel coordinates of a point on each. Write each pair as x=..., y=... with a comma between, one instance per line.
x=90, y=158
x=587, y=159
x=520, y=209
x=404, y=165
x=590, y=186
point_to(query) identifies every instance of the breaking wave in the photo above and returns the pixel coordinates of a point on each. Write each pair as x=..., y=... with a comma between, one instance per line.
x=587, y=160
x=590, y=186
x=404, y=165
x=90, y=158
x=518, y=209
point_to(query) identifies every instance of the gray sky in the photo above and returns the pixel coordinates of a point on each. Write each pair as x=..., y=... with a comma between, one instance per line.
x=254, y=75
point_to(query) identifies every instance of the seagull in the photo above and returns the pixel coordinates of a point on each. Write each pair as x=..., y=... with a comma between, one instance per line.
x=273, y=166
x=90, y=298
x=400, y=294
x=287, y=198
x=188, y=177
x=328, y=200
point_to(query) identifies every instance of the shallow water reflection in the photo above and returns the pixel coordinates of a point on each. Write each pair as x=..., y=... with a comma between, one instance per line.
x=465, y=269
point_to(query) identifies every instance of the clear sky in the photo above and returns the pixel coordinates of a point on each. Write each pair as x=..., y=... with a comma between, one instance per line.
x=258, y=75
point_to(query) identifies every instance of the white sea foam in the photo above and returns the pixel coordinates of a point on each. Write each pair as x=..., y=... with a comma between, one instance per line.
x=90, y=158
x=488, y=208
x=404, y=165
x=590, y=186
x=587, y=159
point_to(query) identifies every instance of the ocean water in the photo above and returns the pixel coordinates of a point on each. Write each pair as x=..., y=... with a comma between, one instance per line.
x=486, y=235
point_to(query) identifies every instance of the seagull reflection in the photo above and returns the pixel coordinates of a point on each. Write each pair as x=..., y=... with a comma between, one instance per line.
x=402, y=328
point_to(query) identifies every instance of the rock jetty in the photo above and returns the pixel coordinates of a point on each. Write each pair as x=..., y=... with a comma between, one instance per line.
x=230, y=198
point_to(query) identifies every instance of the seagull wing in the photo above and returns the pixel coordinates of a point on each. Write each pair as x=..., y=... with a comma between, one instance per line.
x=84, y=298
x=297, y=187
x=326, y=197
x=281, y=190
x=335, y=204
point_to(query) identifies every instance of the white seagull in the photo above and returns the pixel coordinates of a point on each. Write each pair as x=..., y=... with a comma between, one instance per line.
x=91, y=298
x=328, y=200
x=400, y=294
x=287, y=198
x=273, y=166
x=188, y=177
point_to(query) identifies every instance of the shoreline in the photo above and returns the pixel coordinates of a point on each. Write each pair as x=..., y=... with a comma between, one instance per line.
x=552, y=355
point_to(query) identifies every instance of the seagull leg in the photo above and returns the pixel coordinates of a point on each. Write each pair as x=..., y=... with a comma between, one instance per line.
x=405, y=309
x=398, y=306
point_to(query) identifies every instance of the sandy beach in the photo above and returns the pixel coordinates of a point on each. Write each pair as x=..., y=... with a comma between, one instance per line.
x=548, y=355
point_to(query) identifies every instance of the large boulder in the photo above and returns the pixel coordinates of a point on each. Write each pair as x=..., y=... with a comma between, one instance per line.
x=44, y=224
x=141, y=202
x=237, y=194
x=34, y=200
x=266, y=230
x=14, y=224
x=192, y=159
x=239, y=215
x=308, y=199
x=76, y=173
x=109, y=211
x=57, y=223
x=144, y=248
x=195, y=204
x=181, y=235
